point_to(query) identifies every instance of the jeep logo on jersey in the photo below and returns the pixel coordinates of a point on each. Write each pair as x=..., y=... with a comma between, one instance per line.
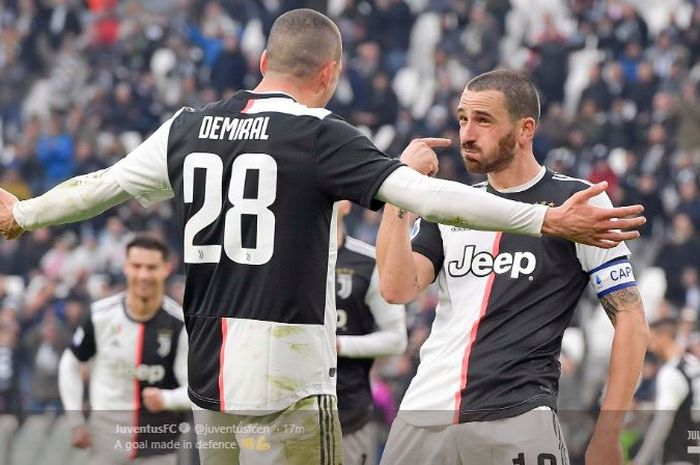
x=483, y=263
x=149, y=373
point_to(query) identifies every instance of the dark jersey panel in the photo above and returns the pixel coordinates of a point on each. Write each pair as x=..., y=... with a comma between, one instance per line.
x=353, y=276
x=83, y=344
x=427, y=241
x=676, y=444
x=160, y=340
x=290, y=179
x=347, y=164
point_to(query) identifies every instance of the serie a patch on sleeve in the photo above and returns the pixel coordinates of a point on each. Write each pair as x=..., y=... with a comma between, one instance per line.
x=612, y=276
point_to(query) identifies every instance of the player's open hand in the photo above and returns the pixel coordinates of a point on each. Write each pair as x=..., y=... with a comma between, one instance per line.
x=9, y=229
x=580, y=221
x=420, y=154
x=80, y=437
x=153, y=400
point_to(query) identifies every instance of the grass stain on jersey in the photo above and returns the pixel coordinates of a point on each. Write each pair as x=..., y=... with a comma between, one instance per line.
x=283, y=383
x=304, y=349
x=452, y=221
x=284, y=331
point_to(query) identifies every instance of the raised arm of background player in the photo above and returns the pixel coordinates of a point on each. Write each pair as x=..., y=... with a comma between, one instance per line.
x=447, y=202
x=404, y=274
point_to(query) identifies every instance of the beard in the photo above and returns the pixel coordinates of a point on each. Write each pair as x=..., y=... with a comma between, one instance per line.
x=496, y=160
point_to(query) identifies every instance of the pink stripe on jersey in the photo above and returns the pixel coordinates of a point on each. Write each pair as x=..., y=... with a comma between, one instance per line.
x=137, y=389
x=222, y=351
x=474, y=330
x=248, y=106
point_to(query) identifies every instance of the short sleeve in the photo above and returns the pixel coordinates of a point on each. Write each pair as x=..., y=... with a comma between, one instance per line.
x=427, y=241
x=592, y=257
x=348, y=165
x=143, y=173
x=83, y=343
x=609, y=270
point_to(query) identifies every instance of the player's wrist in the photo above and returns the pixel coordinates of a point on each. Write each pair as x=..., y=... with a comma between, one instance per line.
x=552, y=221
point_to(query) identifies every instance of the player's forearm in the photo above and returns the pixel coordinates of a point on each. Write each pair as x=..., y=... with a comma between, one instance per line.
x=397, y=270
x=456, y=204
x=627, y=357
x=390, y=339
x=74, y=200
x=70, y=387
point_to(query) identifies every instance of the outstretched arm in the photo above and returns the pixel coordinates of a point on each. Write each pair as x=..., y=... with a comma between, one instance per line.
x=456, y=204
x=142, y=174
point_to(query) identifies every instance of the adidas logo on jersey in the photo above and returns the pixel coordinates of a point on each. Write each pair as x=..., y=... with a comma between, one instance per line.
x=483, y=263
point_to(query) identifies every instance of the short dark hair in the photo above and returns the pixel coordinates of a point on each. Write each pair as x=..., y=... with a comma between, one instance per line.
x=150, y=242
x=301, y=41
x=522, y=100
x=667, y=325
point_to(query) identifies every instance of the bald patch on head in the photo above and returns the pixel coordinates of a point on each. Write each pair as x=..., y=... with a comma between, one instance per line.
x=301, y=42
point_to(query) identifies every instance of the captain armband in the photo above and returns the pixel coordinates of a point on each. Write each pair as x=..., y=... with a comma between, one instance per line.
x=612, y=276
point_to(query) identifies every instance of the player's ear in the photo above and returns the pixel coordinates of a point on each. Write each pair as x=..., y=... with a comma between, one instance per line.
x=527, y=129
x=263, y=62
x=327, y=74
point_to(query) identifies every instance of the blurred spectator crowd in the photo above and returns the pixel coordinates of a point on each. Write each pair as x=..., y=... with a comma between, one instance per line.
x=83, y=82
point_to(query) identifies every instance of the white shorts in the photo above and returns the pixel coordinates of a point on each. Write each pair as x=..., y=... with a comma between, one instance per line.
x=360, y=447
x=534, y=437
x=307, y=432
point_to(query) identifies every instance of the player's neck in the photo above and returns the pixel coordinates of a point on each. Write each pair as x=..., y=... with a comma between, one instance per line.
x=142, y=309
x=278, y=83
x=518, y=172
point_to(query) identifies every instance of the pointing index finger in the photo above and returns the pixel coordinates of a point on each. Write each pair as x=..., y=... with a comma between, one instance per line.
x=436, y=141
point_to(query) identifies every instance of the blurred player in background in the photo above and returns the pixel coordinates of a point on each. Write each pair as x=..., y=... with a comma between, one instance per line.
x=676, y=407
x=256, y=177
x=486, y=387
x=137, y=347
x=368, y=327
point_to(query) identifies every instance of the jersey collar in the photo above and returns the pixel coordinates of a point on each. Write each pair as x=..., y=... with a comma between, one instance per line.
x=523, y=187
x=271, y=93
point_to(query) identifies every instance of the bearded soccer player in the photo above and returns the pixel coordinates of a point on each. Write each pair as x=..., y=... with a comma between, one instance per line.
x=486, y=388
x=255, y=178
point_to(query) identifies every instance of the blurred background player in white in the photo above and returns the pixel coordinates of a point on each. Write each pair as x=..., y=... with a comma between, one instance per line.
x=368, y=327
x=676, y=404
x=487, y=384
x=137, y=347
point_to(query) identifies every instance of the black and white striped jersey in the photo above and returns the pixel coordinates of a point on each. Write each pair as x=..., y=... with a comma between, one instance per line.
x=504, y=303
x=255, y=178
x=128, y=356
